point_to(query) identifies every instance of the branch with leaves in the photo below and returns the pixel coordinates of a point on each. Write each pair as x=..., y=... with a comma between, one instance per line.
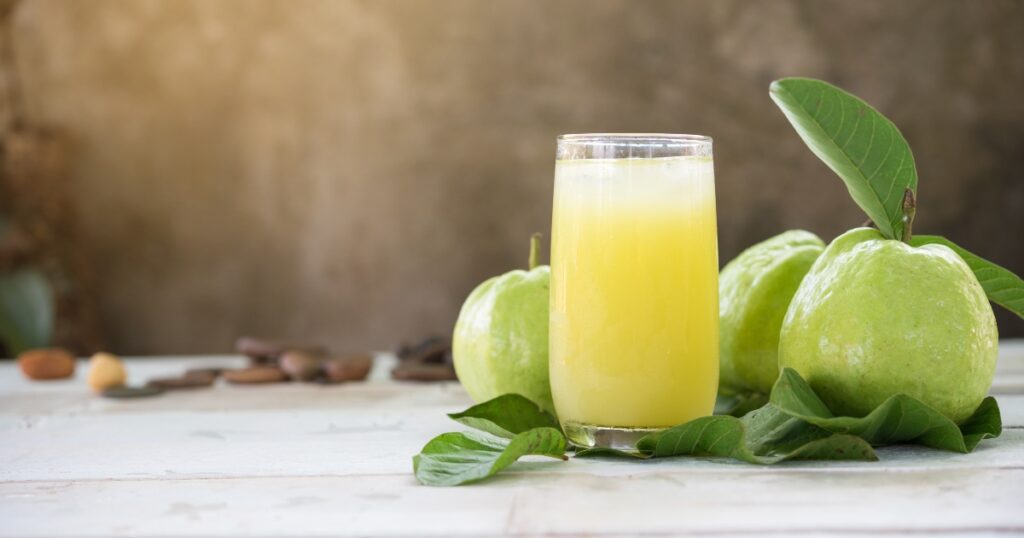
x=868, y=152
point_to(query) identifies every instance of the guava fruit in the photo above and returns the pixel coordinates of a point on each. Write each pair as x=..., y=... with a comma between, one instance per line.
x=875, y=317
x=500, y=343
x=754, y=291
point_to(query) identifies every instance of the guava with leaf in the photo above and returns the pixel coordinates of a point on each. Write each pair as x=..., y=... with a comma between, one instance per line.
x=754, y=291
x=500, y=342
x=876, y=317
x=882, y=312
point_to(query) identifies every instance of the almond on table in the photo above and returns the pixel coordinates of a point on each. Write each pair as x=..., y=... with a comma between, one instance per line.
x=46, y=363
x=106, y=371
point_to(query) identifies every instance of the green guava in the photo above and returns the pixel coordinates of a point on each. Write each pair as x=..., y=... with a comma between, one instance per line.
x=754, y=291
x=500, y=343
x=876, y=317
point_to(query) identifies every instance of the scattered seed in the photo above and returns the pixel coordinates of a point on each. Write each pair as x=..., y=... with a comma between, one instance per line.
x=299, y=365
x=203, y=373
x=430, y=350
x=256, y=374
x=51, y=363
x=105, y=371
x=184, y=382
x=428, y=360
x=410, y=371
x=348, y=368
x=124, y=391
x=262, y=351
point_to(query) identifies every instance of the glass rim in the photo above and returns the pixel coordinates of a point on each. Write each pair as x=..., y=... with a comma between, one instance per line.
x=634, y=139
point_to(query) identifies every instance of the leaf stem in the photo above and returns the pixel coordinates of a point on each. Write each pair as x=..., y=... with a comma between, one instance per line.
x=909, y=210
x=534, y=250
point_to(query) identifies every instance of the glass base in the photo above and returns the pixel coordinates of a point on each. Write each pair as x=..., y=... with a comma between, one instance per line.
x=592, y=436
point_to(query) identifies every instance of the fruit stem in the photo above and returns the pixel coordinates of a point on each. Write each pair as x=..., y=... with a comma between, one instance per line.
x=909, y=209
x=534, y=250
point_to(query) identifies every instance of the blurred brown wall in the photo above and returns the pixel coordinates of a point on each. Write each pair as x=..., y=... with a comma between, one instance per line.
x=346, y=171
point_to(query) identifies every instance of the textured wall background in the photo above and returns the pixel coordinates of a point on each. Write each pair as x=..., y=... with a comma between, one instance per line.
x=346, y=171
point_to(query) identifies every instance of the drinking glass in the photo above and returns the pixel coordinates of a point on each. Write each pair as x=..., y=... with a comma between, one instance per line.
x=634, y=285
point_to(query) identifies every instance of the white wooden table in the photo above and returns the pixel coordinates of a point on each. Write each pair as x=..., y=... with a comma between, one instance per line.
x=301, y=459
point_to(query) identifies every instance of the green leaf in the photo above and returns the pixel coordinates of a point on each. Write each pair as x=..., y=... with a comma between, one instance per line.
x=506, y=415
x=765, y=436
x=857, y=142
x=794, y=425
x=899, y=419
x=452, y=459
x=739, y=404
x=985, y=423
x=26, y=310
x=772, y=432
x=1002, y=286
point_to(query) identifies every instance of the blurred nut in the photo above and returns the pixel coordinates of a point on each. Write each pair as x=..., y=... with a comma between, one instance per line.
x=299, y=365
x=349, y=368
x=268, y=351
x=429, y=350
x=203, y=373
x=428, y=360
x=51, y=363
x=193, y=381
x=255, y=374
x=126, y=392
x=105, y=371
x=418, y=371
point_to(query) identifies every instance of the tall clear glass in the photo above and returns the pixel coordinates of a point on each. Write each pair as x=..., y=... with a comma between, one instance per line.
x=634, y=285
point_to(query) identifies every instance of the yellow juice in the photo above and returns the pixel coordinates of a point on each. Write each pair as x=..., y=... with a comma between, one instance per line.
x=634, y=292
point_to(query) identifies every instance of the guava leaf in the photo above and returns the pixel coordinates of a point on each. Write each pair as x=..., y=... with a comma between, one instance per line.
x=506, y=416
x=452, y=459
x=985, y=423
x=739, y=404
x=26, y=310
x=794, y=425
x=1001, y=286
x=765, y=436
x=857, y=142
x=899, y=419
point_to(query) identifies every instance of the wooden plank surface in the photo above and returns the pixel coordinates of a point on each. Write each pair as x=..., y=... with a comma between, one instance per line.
x=299, y=459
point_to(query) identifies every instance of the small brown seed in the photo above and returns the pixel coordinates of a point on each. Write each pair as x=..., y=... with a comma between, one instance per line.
x=256, y=348
x=203, y=373
x=46, y=363
x=105, y=371
x=299, y=365
x=184, y=382
x=256, y=374
x=131, y=392
x=430, y=350
x=267, y=351
x=446, y=358
x=413, y=371
x=349, y=368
